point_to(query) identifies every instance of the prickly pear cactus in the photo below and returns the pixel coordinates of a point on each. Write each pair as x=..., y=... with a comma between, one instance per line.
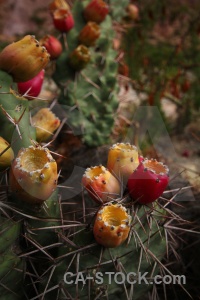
x=93, y=92
x=22, y=222
x=52, y=251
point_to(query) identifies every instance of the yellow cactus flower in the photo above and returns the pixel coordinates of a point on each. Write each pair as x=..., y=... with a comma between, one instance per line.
x=33, y=174
x=24, y=59
x=6, y=154
x=112, y=225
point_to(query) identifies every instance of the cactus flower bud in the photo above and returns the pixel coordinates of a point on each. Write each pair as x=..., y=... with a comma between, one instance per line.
x=101, y=185
x=31, y=88
x=89, y=34
x=122, y=160
x=24, y=59
x=58, y=4
x=148, y=181
x=96, y=11
x=79, y=58
x=52, y=45
x=63, y=20
x=112, y=225
x=33, y=176
x=46, y=123
x=7, y=156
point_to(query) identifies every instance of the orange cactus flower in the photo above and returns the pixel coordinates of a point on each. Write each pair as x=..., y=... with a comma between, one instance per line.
x=101, y=185
x=112, y=225
x=123, y=159
x=24, y=59
x=33, y=175
x=46, y=123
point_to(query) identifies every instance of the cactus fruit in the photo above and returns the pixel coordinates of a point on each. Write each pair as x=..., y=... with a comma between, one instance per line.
x=89, y=34
x=31, y=88
x=6, y=154
x=53, y=46
x=112, y=225
x=123, y=159
x=94, y=91
x=58, y=4
x=63, y=20
x=45, y=123
x=148, y=181
x=39, y=241
x=101, y=184
x=132, y=12
x=24, y=59
x=96, y=11
x=33, y=175
x=79, y=58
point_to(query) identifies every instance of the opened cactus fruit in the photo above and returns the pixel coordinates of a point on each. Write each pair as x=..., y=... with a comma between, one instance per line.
x=58, y=4
x=79, y=58
x=45, y=123
x=148, y=181
x=24, y=59
x=63, y=20
x=123, y=159
x=112, y=225
x=101, y=185
x=33, y=175
x=89, y=34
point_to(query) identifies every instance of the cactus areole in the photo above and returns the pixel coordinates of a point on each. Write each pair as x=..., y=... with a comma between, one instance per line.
x=148, y=181
x=112, y=225
x=33, y=176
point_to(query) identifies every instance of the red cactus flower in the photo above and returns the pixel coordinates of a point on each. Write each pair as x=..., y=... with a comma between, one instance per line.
x=89, y=34
x=112, y=225
x=79, y=58
x=52, y=45
x=148, y=181
x=101, y=185
x=63, y=20
x=96, y=11
x=31, y=88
